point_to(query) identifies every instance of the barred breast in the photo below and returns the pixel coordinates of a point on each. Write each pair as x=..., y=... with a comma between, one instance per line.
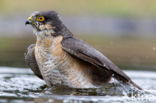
x=59, y=68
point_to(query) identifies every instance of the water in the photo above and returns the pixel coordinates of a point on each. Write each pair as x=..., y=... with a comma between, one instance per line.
x=20, y=85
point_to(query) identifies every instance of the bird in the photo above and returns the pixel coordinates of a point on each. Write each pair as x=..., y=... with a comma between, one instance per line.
x=59, y=58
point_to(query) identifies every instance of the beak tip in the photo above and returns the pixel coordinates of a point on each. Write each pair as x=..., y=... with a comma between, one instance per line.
x=27, y=22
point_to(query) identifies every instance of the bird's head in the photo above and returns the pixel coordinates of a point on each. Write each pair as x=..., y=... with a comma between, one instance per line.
x=46, y=22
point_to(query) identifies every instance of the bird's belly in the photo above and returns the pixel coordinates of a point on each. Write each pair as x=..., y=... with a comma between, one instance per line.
x=63, y=70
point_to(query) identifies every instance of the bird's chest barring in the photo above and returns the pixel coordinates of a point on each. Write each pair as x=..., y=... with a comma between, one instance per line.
x=51, y=67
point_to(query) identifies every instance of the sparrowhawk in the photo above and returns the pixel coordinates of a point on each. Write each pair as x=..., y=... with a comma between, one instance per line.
x=61, y=59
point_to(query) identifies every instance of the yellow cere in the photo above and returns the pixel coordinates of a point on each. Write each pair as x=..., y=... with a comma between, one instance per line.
x=29, y=18
x=40, y=18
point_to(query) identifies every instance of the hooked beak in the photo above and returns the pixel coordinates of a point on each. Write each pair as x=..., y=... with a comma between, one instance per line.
x=29, y=20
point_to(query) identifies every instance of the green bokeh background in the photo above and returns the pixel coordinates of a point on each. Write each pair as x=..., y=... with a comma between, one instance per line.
x=128, y=52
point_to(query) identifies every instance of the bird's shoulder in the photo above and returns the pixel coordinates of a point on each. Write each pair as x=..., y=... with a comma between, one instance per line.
x=77, y=47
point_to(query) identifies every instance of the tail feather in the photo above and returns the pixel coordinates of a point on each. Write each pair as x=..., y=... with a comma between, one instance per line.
x=127, y=81
x=135, y=85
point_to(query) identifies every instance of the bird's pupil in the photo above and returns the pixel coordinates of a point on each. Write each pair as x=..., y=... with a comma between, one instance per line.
x=40, y=18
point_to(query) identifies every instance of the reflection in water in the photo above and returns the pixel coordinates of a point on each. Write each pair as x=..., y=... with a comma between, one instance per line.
x=20, y=85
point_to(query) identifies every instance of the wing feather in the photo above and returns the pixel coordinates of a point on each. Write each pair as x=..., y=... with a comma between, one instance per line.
x=31, y=61
x=89, y=54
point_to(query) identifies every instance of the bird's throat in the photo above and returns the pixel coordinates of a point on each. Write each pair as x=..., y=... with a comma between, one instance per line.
x=43, y=33
x=48, y=41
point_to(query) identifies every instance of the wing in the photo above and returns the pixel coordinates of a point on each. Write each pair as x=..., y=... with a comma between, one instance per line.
x=89, y=54
x=31, y=61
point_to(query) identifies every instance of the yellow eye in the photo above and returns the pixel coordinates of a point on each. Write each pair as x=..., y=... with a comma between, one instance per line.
x=40, y=18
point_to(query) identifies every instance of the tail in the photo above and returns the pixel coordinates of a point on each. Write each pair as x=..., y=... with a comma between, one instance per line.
x=127, y=80
x=135, y=85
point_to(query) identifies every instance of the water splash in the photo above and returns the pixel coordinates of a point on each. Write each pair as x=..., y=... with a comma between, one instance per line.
x=20, y=85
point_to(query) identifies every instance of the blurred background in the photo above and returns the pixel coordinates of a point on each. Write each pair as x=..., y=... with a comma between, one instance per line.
x=124, y=30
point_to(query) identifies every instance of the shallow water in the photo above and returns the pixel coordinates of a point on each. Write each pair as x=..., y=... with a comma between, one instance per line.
x=20, y=85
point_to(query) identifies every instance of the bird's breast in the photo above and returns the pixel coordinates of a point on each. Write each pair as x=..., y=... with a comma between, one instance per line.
x=57, y=66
